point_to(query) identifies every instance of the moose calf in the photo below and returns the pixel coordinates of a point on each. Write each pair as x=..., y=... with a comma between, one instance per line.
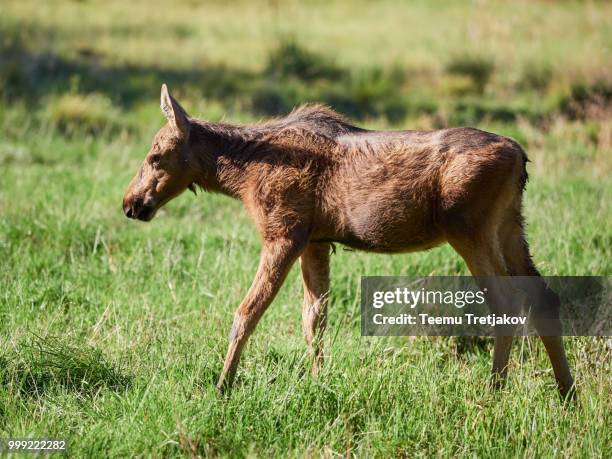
x=312, y=178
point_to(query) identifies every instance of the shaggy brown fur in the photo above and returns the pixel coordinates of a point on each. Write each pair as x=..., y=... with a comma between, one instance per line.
x=312, y=178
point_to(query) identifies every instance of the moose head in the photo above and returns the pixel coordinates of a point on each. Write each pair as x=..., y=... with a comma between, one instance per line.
x=168, y=168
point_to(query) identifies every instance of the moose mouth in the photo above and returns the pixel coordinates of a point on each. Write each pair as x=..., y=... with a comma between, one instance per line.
x=140, y=211
x=146, y=213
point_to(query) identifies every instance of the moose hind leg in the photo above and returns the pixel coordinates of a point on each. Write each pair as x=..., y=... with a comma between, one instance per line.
x=544, y=302
x=314, y=264
x=485, y=261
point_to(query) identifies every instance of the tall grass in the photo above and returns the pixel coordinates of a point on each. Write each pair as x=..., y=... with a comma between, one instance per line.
x=48, y=363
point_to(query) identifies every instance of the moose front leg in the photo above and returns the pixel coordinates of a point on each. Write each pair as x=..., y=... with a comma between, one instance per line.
x=274, y=264
x=314, y=263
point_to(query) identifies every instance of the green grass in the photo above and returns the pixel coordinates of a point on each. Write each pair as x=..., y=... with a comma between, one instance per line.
x=112, y=332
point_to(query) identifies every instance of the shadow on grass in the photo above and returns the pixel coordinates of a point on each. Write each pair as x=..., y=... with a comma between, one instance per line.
x=87, y=83
x=32, y=76
x=292, y=75
x=45, y=364
x=91, y=87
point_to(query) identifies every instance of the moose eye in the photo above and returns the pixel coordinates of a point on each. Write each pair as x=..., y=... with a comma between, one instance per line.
x=155, y=158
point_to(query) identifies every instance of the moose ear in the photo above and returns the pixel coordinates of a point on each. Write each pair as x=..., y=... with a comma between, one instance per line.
x=174, y=112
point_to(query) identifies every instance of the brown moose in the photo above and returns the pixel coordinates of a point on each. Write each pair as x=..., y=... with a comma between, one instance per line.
x=312, y=178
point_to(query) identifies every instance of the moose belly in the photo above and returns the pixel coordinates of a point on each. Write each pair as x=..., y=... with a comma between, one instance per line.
x=387, y=246
x=394, y=224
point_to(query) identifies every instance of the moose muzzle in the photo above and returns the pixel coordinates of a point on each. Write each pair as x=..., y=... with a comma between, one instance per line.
x=135, y=207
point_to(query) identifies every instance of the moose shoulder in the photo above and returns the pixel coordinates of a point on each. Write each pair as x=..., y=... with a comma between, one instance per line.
x=312, y=178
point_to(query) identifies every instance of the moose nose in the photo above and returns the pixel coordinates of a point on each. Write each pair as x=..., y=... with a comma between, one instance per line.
x=131, y=207
x=137, y=209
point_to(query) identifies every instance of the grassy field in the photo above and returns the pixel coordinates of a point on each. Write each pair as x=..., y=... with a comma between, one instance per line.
x=113, y=332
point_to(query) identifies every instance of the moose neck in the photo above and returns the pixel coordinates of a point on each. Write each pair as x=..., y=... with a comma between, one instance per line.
x=222, y=155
